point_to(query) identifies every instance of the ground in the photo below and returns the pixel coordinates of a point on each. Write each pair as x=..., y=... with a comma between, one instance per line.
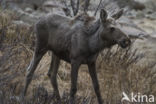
x=128, y=70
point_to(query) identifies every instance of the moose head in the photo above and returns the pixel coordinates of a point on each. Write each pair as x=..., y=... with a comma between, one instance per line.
x=109, y=30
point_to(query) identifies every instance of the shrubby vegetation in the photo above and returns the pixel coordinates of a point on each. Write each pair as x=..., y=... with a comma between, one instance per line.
x=118, y=70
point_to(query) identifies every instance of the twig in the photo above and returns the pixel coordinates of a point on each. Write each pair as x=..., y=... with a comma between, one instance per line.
x=97, y=8
x=75, y=9
x=66, y=8
x=86, y=5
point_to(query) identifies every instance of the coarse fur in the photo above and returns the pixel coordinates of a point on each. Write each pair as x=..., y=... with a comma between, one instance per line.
x=77, y=41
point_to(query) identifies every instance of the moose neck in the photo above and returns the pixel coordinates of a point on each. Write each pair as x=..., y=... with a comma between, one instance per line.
x=97, y=44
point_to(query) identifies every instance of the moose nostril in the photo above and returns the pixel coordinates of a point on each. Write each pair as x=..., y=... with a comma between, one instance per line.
x=126, y=42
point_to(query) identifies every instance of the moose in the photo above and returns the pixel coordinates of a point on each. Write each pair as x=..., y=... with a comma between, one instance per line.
x=77, y=41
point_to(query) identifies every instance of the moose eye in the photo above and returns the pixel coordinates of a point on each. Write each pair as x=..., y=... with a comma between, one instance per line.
x=112, y=29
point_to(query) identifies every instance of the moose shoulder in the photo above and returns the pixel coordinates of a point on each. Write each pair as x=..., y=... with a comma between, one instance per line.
x=77, y=41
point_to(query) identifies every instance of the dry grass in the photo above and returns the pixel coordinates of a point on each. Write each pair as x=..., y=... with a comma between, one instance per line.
x=11, y=33
x=122, y=73
x=118, y=70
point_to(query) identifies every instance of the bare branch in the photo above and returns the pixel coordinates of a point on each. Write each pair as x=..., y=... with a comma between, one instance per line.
x=118, y=14
x=65, y=3
x=86, y=5
x=78, y=2
x=75, y=7
x=98, y=8
x=66, y=8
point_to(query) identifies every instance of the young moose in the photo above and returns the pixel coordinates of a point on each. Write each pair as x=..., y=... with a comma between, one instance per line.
x=77, y=41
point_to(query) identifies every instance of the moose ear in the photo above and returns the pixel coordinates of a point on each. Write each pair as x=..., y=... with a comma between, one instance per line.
x=103, y=15
x=118, y=14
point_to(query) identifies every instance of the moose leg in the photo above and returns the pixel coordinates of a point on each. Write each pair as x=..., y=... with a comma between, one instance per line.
x=36, y=59
x=74, y=74
x=92, y=72
x=51, y=67
x=53, y=75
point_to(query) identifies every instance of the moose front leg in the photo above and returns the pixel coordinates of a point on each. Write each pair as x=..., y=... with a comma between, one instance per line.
x=74, y=74
x=92, y=72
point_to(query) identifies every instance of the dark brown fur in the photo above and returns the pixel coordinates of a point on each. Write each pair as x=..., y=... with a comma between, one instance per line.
x=77, y=41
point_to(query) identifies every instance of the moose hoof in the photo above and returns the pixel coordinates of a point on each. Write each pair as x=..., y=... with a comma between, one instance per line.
x=59, y=101
x=57, y=96
x=49, y=75
x=22, y=97
x=71, y=101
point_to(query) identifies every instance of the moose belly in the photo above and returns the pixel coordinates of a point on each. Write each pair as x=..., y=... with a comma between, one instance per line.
x=64, y=55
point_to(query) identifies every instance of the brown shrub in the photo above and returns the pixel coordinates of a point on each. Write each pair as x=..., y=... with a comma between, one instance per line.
x=118, y=70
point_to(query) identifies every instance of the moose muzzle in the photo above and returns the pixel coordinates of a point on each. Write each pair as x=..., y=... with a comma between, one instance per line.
x=125, y=43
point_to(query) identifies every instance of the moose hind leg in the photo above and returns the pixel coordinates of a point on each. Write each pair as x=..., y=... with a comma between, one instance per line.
x=36, y=59
x=51, y=67
x=53, y=75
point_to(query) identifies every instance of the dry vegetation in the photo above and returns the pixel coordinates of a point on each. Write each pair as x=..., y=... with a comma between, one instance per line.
x=118, y=70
